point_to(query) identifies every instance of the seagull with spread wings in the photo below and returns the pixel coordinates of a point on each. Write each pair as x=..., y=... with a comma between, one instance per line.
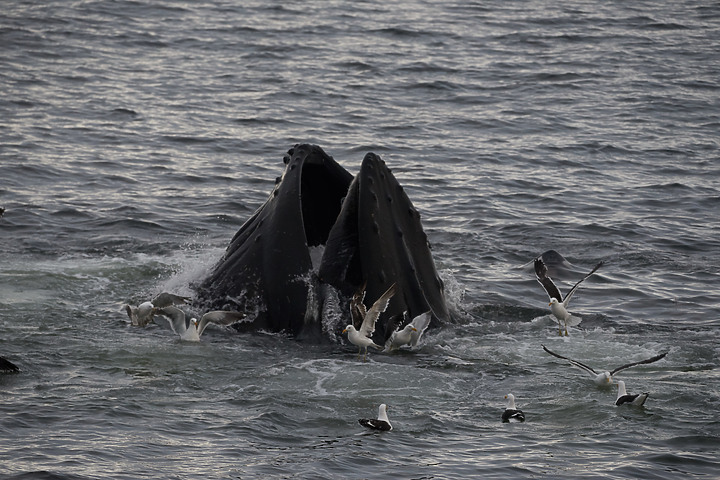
x=408, y=335
x=558, y=304
x=192, y=331
x=604, y=379
x=144, y=313
x=361, y=336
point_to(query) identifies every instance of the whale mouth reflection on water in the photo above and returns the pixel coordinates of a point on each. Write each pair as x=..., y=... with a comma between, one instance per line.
x=371, y=234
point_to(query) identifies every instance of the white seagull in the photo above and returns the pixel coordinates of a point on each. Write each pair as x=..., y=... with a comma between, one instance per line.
x=410, y=334
x=143, y=314
x=192, y=331
x=604, y=379
x=558, y=305
x=382, y=423
x=624, y=399
x=512, y=413
x=361, y=337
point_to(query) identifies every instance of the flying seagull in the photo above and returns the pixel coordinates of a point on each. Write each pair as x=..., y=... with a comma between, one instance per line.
x=624, y=399
x=382, y=423
x=410, y=334
x=604, y=378
x=558, y=305
x=192, y=331
x=361, y=337
x=143, y=314
x=512, y=413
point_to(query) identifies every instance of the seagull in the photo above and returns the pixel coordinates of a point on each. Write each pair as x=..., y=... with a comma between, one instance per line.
x=512, y=413
x=143, y=314
x=558, y=305
x=361, y=337
x=624, y=399
x=410, y=334
x=382, y=423
x=604, y=379
x=191, y=332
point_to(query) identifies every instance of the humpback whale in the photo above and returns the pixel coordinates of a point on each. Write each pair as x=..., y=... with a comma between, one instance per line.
x=319, y=237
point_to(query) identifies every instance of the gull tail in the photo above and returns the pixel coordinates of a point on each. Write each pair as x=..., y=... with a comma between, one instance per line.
x=573, y=321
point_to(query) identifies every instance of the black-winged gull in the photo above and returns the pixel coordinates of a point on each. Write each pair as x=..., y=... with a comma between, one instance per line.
x=623, y=398
x=381, y=423
x=512, y=413
x=192, y=330
x=361, y=337
x=145, y=312
x=604, y=379
x=558, y=305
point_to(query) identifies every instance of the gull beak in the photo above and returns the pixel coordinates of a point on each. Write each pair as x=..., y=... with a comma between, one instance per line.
x=344, y=330
x=550, y=304
x=414, y=329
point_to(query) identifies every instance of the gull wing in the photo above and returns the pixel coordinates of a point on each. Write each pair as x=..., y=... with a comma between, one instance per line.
x=357, y=307
x=168, y=299
x=573, y=362
x=176, y=317
x=221, y=317
x=393, y=326
x=547, y=283
x=380, y=305
x=420, y=323
x=641, y=362
x=572, y=290
x=131, y=312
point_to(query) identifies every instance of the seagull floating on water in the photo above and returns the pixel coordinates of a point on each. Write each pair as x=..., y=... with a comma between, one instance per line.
x=624, y=399
x=361, y=337
x=512, y=413
x=381, y=423
x=604, y=378
x=410, y=334
x=558, y=305
x=145, y=312
x=191, y=331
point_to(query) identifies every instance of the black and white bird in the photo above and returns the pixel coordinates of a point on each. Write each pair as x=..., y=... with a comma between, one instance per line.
x=409, y=334
x=604, y=378
x=624, y=399
x=192, y=330
x=381, y=423
x=145, y=312
x=558, y=304
x=512, y=413
x=361, y=336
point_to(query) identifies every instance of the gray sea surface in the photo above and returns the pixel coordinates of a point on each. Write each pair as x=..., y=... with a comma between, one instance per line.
x=137, y=136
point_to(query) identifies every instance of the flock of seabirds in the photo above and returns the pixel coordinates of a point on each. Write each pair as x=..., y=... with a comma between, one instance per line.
x=405, y=332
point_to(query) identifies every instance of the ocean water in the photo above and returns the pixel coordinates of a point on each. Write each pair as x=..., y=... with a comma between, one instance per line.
x=136, y=137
